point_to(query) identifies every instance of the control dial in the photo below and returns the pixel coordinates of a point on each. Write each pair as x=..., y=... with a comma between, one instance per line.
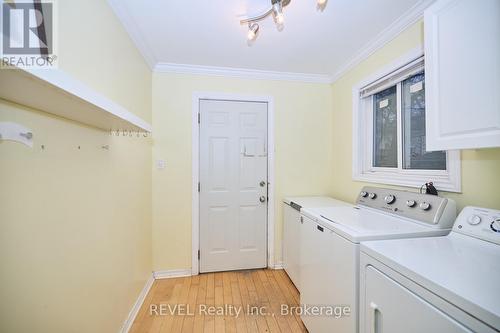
x=425, y=206
x=474, y=219
x=372, y=195
x=364, y=194
x=495, y=225
x=390, y=199
x=410, y=203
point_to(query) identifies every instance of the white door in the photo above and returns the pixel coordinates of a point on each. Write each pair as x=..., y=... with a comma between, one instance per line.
x=391, y=308
x=233, y=185
x=462, y=70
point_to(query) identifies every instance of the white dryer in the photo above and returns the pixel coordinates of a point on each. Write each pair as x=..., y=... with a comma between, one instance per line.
x=329, y=249
x=445, y=284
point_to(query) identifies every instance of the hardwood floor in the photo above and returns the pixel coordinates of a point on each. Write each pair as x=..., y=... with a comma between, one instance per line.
x=241, y=301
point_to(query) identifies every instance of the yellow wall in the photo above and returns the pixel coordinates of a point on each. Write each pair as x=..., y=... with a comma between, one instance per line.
x=303, y=161
x=75, y=224
x=313, y=131
x=94, y=47
x=480, y=168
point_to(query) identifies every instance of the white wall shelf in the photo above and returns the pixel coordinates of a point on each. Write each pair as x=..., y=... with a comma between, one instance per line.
x=53, y=91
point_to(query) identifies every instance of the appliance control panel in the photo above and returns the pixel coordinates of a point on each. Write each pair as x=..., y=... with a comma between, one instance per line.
x=426, y=208
x=479, y=222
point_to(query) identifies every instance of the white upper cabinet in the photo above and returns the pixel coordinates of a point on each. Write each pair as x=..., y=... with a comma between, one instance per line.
x=462, y=56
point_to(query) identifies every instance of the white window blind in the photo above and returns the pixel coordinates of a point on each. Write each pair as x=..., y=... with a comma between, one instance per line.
x=391, y=79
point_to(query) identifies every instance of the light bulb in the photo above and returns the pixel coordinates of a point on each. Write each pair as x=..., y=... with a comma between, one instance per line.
x=322, y=2
x=251, y=35
x=253, y=30
x=278, y=13
x=280, y=18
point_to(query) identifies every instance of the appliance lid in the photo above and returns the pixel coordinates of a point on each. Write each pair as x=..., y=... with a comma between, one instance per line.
x=462, y=269
x=359, y=224
x=314, y=201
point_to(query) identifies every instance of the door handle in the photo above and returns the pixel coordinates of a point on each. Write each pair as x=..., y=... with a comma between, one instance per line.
x=376, y=314
x=262, y=199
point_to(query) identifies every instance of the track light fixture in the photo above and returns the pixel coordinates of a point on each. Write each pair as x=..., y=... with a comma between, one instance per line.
x=276, y=10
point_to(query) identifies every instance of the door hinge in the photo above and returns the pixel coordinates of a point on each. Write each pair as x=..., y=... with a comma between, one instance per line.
x=198, y=254
x=199, y=187
x=199, y=120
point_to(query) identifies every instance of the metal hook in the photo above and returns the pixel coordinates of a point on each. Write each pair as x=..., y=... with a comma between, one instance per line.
x=27, y=135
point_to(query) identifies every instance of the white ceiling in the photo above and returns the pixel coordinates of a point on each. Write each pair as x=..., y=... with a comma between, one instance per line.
x=208, y=33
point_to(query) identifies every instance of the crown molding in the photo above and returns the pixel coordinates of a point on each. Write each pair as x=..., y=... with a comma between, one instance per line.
x=412, y=16
x=132, y=29
x=242, y=73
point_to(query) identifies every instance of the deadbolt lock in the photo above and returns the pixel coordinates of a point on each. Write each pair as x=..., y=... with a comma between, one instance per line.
x=263, y=183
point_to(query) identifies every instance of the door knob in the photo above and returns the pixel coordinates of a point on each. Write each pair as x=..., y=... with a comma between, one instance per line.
x=263, y=183
x=262, y=199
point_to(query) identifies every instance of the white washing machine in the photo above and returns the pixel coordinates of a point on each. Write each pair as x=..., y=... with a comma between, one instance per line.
x=291, y=230
x=445, y=284
x=329, y=248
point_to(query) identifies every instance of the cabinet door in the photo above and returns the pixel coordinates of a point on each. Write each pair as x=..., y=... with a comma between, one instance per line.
x=462, y=64
x=291, y=243
x=391, y=308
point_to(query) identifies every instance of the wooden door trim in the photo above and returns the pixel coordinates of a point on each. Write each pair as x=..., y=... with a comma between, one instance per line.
x=195, y=209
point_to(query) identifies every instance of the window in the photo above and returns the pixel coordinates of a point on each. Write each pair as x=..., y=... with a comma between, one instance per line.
x=385, y=129
x=390, y=134
x=415, y=155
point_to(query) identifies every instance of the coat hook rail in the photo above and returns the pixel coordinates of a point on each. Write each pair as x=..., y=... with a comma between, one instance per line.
x=17, y=133
x=128, y=133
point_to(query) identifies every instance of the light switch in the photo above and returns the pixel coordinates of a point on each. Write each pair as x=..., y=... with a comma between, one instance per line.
x=161, y=164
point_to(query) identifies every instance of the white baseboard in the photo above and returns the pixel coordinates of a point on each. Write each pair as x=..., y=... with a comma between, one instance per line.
x=167, y=274
x=173, y=273
x=277, y=265
x=137, y=305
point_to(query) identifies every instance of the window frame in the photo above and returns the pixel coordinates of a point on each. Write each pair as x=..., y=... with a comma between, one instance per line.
x=363, y=169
